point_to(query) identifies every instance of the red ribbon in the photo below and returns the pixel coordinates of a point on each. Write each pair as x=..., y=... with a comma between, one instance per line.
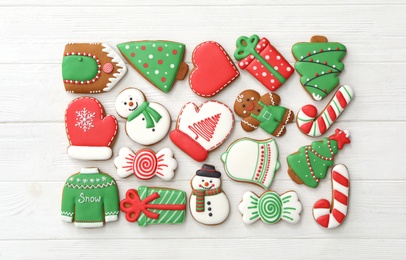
x=133, y=206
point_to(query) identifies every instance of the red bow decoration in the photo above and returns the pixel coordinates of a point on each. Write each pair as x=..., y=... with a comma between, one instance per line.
x=133, y=206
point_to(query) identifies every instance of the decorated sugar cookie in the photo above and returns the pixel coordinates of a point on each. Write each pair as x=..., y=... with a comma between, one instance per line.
x=254, y=161
x=147, y=123
x=263, y=112
x=270, y=207
x=90, y=132
x=145, y=163
x=89, y=199
x=319, y=64
x=200, y=130
x=91, y=67
x=208, y=203
x=312, y=125
x=263, y=61
x=152, y=205
x=160, y=62
x=213, y=71
x=332, y=216
x=310, y=164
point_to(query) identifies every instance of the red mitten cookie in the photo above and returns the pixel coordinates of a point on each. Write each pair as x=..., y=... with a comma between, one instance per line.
x=89, y=131
x=263, y=61
x=213, y=70
x=200, y=130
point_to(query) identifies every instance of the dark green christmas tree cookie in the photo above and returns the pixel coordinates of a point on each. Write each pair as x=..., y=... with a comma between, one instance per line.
x=160, y=62
x=318, y=63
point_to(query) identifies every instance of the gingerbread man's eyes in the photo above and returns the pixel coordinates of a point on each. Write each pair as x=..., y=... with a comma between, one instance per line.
x=259, y=110
x=243, y=105
x=248, y=99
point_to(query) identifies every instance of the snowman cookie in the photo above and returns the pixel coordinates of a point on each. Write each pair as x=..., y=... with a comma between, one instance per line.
x=208, y=203
x=147, y=123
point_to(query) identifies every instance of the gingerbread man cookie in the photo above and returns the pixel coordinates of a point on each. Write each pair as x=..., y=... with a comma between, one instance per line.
x=263, y=112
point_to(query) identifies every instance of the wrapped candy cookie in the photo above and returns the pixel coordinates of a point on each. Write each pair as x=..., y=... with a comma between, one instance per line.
x=270, y=207
x=263, y=61
x=152, y=205
x=253, y=161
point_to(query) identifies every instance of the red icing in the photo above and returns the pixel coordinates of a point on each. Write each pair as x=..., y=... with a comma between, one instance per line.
x=324, y=220
x=100, y=130
x=160, y=61
x=188, y=145
x=163, y=79
x=143, y=48
x=340, y=197
x=322, y=204
x=132, y=54
x=213, y=71
x=341, y=179
x=321, y=124
x=175, y=52
x=310, y=111
x=159, y=48
x=331, y=113
x=145, y=65
x=272, y=57
x=145, y=164
x=338, y=215
x=341, y=99
x=341, y=138
x=108, y=68
x=206, y=127
x=307, y=127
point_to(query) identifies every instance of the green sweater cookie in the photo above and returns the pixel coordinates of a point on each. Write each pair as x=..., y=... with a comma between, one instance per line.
x=90, y=198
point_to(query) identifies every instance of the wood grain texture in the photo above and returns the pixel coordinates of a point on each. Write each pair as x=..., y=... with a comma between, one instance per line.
x=34, y=164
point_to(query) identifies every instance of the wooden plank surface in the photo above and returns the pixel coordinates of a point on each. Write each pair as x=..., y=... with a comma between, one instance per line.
x=34, y=164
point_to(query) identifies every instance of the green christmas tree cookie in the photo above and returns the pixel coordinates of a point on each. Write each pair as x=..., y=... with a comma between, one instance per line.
x=318, y=63
x=160, y=62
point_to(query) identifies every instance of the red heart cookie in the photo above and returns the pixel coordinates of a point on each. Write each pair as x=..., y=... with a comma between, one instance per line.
x=89, y=131
x=213, y=69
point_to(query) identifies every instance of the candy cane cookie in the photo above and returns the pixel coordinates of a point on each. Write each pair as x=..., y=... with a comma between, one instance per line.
x=314, y=126
x=332, y=216
x=145, y=163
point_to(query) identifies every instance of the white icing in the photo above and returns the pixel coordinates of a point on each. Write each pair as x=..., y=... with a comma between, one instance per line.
x=119, y=62
x=293, y=203
x=191, y=115
x=206, y=183
x=241, y=160
x=245, y=209
x=136, y=129
x=90, y=152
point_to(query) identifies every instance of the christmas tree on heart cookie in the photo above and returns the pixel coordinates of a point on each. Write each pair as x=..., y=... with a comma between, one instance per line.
x=160, y=62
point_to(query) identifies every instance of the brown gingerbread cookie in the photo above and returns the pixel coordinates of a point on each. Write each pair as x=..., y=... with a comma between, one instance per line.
x=262, y=111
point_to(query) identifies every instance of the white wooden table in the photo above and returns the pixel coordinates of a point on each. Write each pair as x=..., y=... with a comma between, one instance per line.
x=34, y=163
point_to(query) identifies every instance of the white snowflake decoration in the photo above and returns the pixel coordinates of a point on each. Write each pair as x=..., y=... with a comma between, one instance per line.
x=84, y=119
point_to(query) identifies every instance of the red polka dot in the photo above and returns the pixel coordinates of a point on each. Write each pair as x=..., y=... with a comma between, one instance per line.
x=143, y=48
x=132, y=54
x=159, y=48
x=160, y=61
x=163, y=79
x=175, y=52
x=145, y=65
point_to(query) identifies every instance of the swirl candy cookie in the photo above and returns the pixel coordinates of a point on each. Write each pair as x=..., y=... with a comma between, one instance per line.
x=310, y=164
x=263, y=112
x=90, y=132
x=318, y=63
x=200, y=130
x=263, y=61
x=145, y=164
x=213, y=69
x=91, y=67
x=160, y=62
x=332, y=216
x=312, y=125
x=152, y=205
x=254, y=161
x=147, y=123
x=208, y=203
x=270, y=207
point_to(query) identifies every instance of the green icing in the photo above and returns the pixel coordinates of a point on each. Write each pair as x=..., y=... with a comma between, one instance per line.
x=298, y=163
x=79, y=68
x=166, y=197
x=157, y=61
x=319, y=65
x=90, y=197
x=270, y=117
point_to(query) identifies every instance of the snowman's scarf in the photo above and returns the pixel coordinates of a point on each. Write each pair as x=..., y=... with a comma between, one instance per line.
x=200, y=194
x=149, y=113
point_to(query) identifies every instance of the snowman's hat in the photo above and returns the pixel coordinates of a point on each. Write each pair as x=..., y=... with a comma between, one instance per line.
x=208, y=170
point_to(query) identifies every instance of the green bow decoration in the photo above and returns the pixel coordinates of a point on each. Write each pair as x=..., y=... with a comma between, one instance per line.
x=246, y=46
